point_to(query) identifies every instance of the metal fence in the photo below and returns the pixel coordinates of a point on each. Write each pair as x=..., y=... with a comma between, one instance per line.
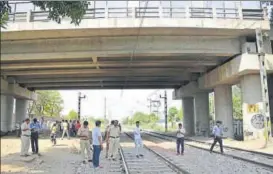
x=150, y=12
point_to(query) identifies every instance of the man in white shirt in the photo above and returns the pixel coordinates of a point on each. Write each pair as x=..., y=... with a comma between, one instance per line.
x=65, y=129
x=138, y=140
x=217, y=133
x=25, y=137
x=180, y=139
x=97, y=145
x=83, y=133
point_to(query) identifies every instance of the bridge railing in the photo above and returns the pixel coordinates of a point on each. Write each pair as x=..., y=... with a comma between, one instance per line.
x=151, y=12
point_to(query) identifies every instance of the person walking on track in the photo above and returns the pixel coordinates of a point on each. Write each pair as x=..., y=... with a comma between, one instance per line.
x=25, y=137
x=97, y=145
x=180, y=139
x=65, y=129
x=138, y=140
x=218, y=133
x=35, y=128
x=113, y=138
x=83, y=133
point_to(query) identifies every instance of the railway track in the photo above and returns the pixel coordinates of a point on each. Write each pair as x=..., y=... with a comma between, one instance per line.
x=152, y=162
x=257, y=158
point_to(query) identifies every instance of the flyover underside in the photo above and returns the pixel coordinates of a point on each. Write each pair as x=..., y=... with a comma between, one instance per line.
x=146, y=62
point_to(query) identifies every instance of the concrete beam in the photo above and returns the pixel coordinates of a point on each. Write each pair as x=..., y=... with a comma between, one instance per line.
x=188, y=90
x=103, y=46
x=128, y=23
x=181, y=77
x=105, y=84
x=113, y=72
x=230, y=72
x=16, y=91
x=95, y=64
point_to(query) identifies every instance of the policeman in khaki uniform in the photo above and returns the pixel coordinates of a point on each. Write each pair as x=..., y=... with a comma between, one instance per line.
x=106, y=137
x=25, y=138
x=84, y=135
x=113, y=137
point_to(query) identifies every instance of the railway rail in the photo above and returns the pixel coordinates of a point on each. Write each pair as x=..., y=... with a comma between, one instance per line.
x=152, y=163
x=257, y=158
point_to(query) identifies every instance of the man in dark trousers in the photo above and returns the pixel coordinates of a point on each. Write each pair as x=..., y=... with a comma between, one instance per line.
x=217, y=133
x=35, y=128
x=180, y=139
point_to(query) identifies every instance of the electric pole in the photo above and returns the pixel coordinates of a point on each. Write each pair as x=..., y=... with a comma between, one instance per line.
x=165, y=110
x=79, y=104
x=105, y=110
x=263, y=75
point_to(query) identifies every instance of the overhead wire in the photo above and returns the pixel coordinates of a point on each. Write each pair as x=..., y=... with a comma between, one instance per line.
x=136, y=45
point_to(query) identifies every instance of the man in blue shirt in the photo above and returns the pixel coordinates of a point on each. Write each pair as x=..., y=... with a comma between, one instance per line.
x=217, y=133
x=35, y=128
x=97, y=145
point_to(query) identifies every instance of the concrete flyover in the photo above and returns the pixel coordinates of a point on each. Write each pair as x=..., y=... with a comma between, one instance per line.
x=201, y=51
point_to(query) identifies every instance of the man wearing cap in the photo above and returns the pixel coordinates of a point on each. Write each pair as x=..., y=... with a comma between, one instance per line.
x=217, y=133
x=113, y=138
x=25, y=137
x=84, y=135
x=106, y=139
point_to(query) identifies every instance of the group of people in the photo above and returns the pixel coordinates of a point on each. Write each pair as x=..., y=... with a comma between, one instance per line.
x=30, y=135
x=69, y=129
x=111, y=138
x=217, y=135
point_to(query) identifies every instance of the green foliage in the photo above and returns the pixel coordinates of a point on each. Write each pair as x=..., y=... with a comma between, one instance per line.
x=75, y=10
x=49, y=103
x=179, y=115
x=4, y=13
x=60, y=9
x=237, y=102
x=142, y=117
x=172, y=115
x=72, y=115
x=211, y=106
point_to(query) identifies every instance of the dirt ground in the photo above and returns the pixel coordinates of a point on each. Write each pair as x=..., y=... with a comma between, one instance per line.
x=64, y=158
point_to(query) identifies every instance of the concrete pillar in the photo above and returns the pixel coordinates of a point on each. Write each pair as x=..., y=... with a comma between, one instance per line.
x=224, y=109
x=21, y=110
x=201, y=113
x=252, y=102
x=7, y=104
x=188, y=115
x=270, y=90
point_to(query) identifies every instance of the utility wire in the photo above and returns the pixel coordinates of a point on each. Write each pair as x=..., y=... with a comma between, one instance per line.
x=136, y=44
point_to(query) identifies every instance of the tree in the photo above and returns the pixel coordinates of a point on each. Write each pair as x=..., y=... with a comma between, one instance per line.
x=72, y=115
x=237, y=102
x=172, y=115
x=143, y=118
x=211, y=106
x=49, y=103
x=179, y=115
x=5, y=10
x=75, y=10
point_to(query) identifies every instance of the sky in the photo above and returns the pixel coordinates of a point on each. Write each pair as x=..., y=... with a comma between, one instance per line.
x=119, y=103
